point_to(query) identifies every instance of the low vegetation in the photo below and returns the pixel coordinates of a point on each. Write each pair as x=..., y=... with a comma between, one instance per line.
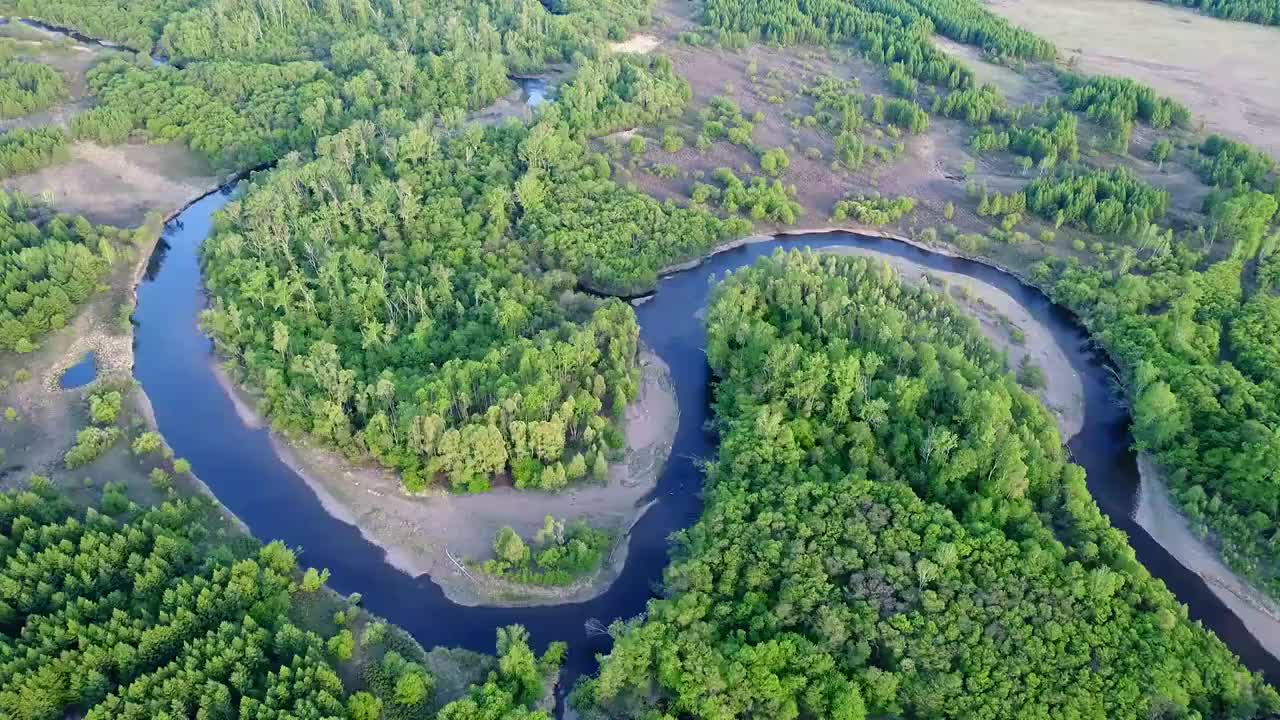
x=559, y=554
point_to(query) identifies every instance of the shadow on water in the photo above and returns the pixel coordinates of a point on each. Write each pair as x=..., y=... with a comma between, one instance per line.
x=173, y=364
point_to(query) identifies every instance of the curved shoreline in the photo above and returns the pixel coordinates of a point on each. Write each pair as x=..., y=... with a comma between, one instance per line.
x=1156, y=513
x=407, y=528
x=1068, y=410
x=250, y=476
x=1154, y=509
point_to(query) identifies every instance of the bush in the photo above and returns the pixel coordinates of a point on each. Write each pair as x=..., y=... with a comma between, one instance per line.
x=91, y=443
x=148, y=443
x=873, y=210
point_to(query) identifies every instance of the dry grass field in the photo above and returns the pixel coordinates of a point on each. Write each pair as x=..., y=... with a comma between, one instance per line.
x=1226, y=72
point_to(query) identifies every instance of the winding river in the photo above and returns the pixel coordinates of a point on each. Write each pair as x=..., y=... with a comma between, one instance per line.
x=173, y=364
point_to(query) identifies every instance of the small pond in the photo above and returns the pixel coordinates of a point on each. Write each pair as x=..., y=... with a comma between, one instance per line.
x=80, y=374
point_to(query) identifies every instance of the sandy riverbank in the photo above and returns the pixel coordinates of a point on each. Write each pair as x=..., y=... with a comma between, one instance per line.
x=998, y=315
x=1157, y=514
x=996, y=312
x=426, y=534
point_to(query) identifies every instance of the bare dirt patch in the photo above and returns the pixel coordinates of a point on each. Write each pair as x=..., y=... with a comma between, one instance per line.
x=120, y=185
x=641, y=44
x=1224, y=71
x=436, y=533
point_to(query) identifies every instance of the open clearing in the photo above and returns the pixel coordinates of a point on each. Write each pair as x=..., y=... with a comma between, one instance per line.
x=1224, y=71
x=71, y=59
x=120, y=185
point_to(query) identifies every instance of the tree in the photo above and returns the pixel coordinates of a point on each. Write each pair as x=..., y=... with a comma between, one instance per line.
x=1160, y=151
x=775, y=161
x=510, y=548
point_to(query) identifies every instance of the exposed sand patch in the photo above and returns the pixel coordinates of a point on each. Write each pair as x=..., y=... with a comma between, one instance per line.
x=641, y=44
x=120, y=185
x=435, y=533
x=1157, y=515
x=1224, y=71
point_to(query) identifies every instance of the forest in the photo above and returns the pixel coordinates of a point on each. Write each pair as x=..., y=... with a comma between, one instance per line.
x=49, y=265
x=129, y=613
x=892, y=529
x=28, y=87
x=249, y=82
x=410, y=293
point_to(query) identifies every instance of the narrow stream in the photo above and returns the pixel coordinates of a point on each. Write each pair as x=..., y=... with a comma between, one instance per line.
x=173, y=364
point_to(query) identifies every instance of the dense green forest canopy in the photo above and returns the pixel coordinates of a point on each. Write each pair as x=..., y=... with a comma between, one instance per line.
x=410, y=293
x=49, y=265
x=130, y=613
x=253, y=80
x=27, y=87
x=892, y=529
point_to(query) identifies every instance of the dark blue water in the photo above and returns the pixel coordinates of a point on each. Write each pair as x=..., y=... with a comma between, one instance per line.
x=238, y=463
x=80, y=374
